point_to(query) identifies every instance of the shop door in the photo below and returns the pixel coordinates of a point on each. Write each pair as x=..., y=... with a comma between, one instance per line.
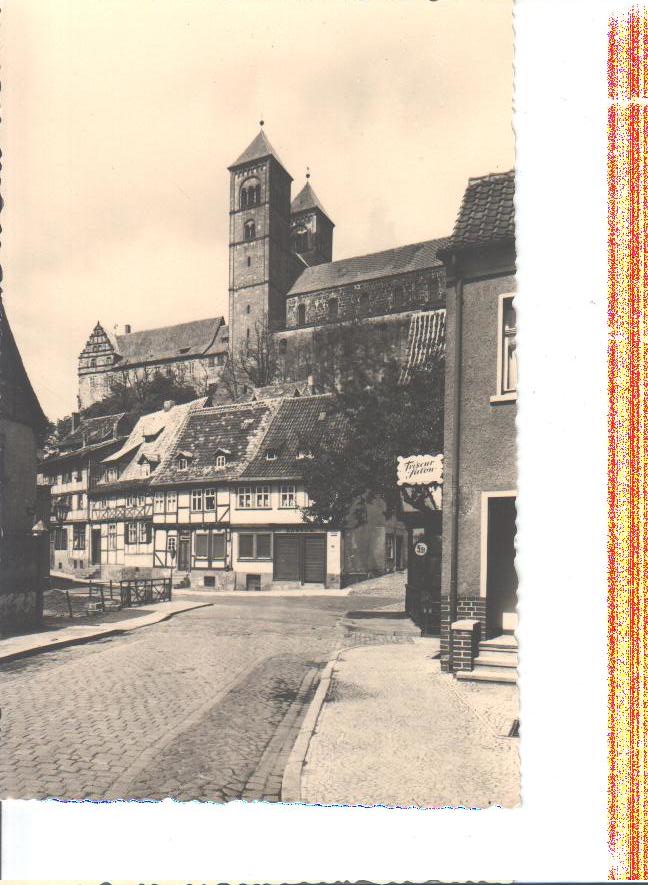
x=95, y=542
x=287, y=558
x=314, y=559
x=184, y=554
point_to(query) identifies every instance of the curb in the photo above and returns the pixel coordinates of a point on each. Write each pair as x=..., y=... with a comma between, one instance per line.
x=291, y=782
x=91, y=637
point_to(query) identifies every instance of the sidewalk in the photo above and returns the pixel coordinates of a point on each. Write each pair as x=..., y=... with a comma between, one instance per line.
x=394, y=730
x=31, y=643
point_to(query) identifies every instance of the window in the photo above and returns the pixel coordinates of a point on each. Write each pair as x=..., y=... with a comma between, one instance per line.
x=247, y=308
x=218, y=545
x=221, y=460
x=67, y=477
x=253, y=496
x=172, y=542
x=112, y=535
x=220, y=359
x=78, y=537
x=301, y=314
x=60, y=538
x=210, y=499
x=171, y=502
x=131, y=533
x=201, y=545
x=333, y=309
x=144, y=532
x=506, y=351
x=182, y=463
x=249, y=230
x=197, y=499
x=389, y=546
x=287, y=496
x=255, y=546
x=158, y=502
x=80, y=501
x=211, y=361
x=146, y=468
x=301, y=239
x=271, y=455
x=250, y=193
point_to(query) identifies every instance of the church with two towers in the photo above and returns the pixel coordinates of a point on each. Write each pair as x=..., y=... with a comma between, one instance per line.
x=284, y=282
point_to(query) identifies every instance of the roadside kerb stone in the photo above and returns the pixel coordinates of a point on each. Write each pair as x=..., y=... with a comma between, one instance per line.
x=16, y=647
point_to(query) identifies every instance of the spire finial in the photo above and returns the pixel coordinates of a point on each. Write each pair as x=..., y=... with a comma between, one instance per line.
x=261, y=122
x=307, y=173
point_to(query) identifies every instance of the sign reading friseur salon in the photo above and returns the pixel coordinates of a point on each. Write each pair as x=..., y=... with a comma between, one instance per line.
x=421, y=478
x=420, y=470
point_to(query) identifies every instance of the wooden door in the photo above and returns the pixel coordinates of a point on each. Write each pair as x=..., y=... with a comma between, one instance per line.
x=314, y=559
x=95, y=543
x=287, y=557
x=184, y=554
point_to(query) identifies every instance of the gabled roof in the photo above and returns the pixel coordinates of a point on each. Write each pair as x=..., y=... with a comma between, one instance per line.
x=18, y=402
x=416, y=256
x=258, y=149
x=307, y=200
x=94, y=430
x=487, y=212
x=166, y=424
x=184, y=339
x=300, y=423
x=284, y=389
x=236, y=429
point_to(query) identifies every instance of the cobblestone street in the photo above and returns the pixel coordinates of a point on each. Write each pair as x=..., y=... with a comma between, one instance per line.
x=190, y=708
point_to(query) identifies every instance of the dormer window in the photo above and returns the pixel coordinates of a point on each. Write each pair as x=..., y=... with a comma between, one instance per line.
x=249, y=230
x=184, y=350
x=304, y=452
x=221, y=460
x=182, y=463
x=183, y=459
x=271, y=455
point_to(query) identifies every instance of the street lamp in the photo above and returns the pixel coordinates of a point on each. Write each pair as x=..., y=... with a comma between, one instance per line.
x=61, y=510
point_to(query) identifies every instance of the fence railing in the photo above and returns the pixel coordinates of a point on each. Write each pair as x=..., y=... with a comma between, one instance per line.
x=127, y=593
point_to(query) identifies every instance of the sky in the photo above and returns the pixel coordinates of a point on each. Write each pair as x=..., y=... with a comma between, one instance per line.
x=121, y=117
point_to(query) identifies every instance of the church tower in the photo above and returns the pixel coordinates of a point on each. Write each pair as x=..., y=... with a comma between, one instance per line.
x=262, y=267
x=311, y=229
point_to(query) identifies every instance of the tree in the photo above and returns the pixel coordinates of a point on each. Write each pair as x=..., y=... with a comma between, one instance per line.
x=372, y=422
x=144, y=390
x=254, y=364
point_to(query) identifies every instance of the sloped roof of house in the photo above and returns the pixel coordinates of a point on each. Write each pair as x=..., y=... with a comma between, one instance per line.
x=258, y=149
x=279, y=390
x=151, y=437
x=307, y=200
x=487, y=211
x=426, y=340
x=416, y=256
x=95, y=430
x=18, y=401
x=300, y=423
x=184, y=339
x=236, y=429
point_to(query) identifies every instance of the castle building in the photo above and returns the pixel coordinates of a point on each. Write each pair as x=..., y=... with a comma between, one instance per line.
x=283, y=281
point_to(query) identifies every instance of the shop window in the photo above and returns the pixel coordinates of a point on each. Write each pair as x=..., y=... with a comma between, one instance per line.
x=201, y=543
x=256, y=545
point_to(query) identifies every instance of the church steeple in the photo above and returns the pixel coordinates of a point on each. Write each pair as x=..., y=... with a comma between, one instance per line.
x=311, y=228
x=262, y=265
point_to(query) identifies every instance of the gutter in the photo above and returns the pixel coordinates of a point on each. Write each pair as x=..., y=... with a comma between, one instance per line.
x=456, y=442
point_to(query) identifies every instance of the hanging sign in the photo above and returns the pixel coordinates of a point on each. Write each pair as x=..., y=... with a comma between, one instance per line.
x=420, y=470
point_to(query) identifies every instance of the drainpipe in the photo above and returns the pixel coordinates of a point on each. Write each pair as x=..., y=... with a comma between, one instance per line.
x=456, y=449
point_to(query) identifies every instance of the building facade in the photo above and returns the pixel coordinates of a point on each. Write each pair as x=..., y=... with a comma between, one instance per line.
x=479, y=583
x=284, y=282
x=23, y=511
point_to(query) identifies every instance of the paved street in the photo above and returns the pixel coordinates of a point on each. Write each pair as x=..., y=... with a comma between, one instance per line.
x=196, y=707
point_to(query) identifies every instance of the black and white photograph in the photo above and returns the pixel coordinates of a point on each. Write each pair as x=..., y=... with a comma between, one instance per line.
x=258, y=375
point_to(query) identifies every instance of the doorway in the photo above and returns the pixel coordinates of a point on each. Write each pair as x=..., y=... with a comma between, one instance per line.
x=95, y=544
x=500, y=574
x=184, y=553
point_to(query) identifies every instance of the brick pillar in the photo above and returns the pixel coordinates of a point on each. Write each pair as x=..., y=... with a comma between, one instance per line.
x=464, y=644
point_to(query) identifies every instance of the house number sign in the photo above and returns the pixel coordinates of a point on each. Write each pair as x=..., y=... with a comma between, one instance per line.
x=421, y=548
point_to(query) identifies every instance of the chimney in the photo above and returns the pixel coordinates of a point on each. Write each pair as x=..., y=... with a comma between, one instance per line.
x=76, y=421
x=127, y=329
x=168, y=405
x=311, y=383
